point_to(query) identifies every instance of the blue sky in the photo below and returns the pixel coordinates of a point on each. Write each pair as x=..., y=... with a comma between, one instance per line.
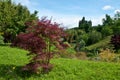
x=69, y=12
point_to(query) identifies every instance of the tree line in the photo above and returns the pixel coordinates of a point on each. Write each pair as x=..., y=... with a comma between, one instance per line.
x=86, y=34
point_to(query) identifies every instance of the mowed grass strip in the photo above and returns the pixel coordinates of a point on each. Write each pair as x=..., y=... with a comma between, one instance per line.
x=11, y=59
x=12, y=56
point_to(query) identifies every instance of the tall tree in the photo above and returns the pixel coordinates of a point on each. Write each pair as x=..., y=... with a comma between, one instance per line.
x=116, y=26
x=107, y=21
x=12, y=19
x=85, y=25
x=117, y=15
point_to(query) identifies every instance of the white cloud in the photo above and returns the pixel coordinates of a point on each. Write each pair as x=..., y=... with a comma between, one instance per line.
x=65, y=19
x=69, y=21
x=117, y=10
x=96, y=20
x=107, y=7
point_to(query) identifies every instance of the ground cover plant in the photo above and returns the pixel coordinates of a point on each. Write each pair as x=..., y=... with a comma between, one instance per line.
x=11, y=59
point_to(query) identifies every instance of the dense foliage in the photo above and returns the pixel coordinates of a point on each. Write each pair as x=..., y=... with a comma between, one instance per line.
x=12, y=19
x=1, y=39
x=94, y=37
x=106, y=31
x=115, y=40
x=107, y=21
x=85, y=25
x=39, y=39
x=93, y=34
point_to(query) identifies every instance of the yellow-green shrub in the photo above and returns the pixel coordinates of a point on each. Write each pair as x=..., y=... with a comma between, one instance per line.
x=107, y=55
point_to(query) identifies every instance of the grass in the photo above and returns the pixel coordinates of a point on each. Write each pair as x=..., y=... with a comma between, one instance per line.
x=102, y=43
x=11, y=60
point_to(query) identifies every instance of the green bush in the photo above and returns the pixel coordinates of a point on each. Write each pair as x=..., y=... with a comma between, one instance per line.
x=94, y=37
x=84, y=37
x=106, y=31
x=79, y=46
x=116, y=30
x=1, y=39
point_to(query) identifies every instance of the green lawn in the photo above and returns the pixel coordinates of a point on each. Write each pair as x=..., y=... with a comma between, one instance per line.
x=11, y=59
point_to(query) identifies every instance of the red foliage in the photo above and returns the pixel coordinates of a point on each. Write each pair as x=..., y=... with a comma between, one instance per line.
x=39, y=39
x=115, y=40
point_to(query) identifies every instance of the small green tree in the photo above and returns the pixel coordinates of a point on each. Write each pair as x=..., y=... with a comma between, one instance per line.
x=106, y=31
x=94, y=37
x=107, y=21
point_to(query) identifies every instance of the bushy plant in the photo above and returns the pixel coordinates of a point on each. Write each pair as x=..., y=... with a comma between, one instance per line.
x=116, y=30
x=115, y=40
x=79, y=46
x=39, y=39
x=84, y=37
x=94, y=37
x=107, y=55
x=1, y=39
x=9, y=35
x=106, y=31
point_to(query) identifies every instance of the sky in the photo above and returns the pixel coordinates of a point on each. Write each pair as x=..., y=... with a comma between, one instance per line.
x=69, y=12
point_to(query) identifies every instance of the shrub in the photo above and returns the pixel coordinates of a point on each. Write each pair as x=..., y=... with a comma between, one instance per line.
x=9, y=35
x=115, y=40
x=84, y=37
x=40, y=39
x=116, y=30
x=106, y=31
x=107, y=55
x=94, y=37
x=1, y=39
x=79, y=46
